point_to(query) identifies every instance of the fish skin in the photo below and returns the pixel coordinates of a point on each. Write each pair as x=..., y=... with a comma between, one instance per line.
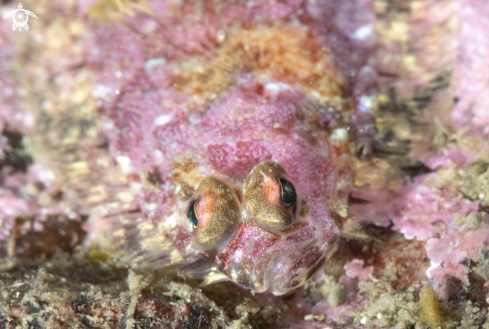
x=226, y=140
x=171, y=128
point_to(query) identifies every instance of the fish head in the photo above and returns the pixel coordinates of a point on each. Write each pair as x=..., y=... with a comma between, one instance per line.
x=266, y=180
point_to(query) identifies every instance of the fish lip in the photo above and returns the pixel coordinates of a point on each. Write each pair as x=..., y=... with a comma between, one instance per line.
x=284, y=257
x=278, y=263
x=252, y=268
x=280, y=286
x=294, y=273
x=287, y=271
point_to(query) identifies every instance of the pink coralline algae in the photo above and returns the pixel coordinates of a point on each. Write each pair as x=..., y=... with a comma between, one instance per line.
x=439, y=216
x=438, y=207
x=422, y=204
x=471, y=110
x=355, y=269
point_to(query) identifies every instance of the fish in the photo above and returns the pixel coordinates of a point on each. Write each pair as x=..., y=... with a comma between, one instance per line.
x=248, y=188
x=237, y=172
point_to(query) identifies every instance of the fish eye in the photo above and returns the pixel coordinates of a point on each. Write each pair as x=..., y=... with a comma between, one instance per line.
x=287, y=190
x=191, y=215
x=213, y=212
x=270, y=198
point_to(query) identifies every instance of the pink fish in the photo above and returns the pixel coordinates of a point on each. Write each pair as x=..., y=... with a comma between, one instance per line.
x=243, y=190
x=239, y=176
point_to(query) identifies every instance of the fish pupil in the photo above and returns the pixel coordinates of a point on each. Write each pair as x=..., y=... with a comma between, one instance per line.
x=288, y=192
x=191, y=215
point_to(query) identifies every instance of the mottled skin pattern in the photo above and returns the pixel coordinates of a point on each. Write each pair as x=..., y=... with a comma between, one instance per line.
x=217, y=106
x=227, y=139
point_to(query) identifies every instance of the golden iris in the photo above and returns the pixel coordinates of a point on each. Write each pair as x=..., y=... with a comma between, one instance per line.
x=214, y=213
x=269, y=197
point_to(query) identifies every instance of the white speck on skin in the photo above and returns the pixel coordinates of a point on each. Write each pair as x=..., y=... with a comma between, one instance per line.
x=364, y=32
x=125, y=163
x=149, y=206
x=276, y=87
x=221, y=36
x=101, y=91
x=339, y=135
x=108, y=124
x=315, y=94
x=158, y=157
x=364, y=320
x=149, y=26
x=238, y=255
x=46, y=176
x=367, y=103
x=29, y=119
x=151, y=64
x=163, y=119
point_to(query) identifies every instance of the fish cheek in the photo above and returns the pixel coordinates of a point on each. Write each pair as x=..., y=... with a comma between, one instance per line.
x=270, y=197
x=214, y=213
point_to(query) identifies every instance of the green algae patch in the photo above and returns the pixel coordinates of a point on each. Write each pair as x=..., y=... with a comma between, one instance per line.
x=97, y=254
x=430, y=308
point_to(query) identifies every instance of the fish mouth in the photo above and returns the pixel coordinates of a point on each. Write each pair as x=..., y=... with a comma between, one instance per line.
x=261, y=260
x=291, y=271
